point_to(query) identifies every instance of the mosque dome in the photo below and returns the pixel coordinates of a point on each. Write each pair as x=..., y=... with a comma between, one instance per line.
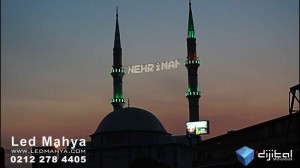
x=130, y=119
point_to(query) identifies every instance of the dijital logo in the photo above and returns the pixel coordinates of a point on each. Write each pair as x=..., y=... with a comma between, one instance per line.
x=245, y=155
x=276, y=156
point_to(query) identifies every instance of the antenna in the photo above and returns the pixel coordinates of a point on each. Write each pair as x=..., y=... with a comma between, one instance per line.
x=294, y=98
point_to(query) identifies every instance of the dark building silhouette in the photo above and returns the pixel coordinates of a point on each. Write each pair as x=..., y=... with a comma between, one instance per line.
x=128, y=136
x=294, y=99
x=281, y=134
x=2, y=157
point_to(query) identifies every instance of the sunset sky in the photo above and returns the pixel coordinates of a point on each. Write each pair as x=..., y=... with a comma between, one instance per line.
x=56, y=56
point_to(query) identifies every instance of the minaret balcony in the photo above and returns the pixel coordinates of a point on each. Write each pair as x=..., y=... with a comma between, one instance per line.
x=189, y=62
x=112, y=71
x=193, y=93
x=118, y=100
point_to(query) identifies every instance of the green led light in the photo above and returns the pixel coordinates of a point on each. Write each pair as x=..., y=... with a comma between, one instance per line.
x=191, y=34
x=118, y=95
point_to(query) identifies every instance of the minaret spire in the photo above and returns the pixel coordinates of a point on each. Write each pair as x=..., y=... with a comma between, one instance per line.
x=192, y=64
x=117, y=43
x=191, y=31
x=117, y=12
x=117, y=72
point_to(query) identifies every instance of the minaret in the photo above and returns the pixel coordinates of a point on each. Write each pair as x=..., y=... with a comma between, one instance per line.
x=117, y=72
x=192, y=63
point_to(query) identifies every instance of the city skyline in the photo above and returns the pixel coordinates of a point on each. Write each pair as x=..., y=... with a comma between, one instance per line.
x=56, y=57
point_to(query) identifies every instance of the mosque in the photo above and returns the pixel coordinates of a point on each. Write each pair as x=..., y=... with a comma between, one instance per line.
x=134, y=137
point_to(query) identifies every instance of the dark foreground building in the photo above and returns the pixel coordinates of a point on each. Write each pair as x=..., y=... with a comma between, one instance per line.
x=2, y=157
x=280, y=134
